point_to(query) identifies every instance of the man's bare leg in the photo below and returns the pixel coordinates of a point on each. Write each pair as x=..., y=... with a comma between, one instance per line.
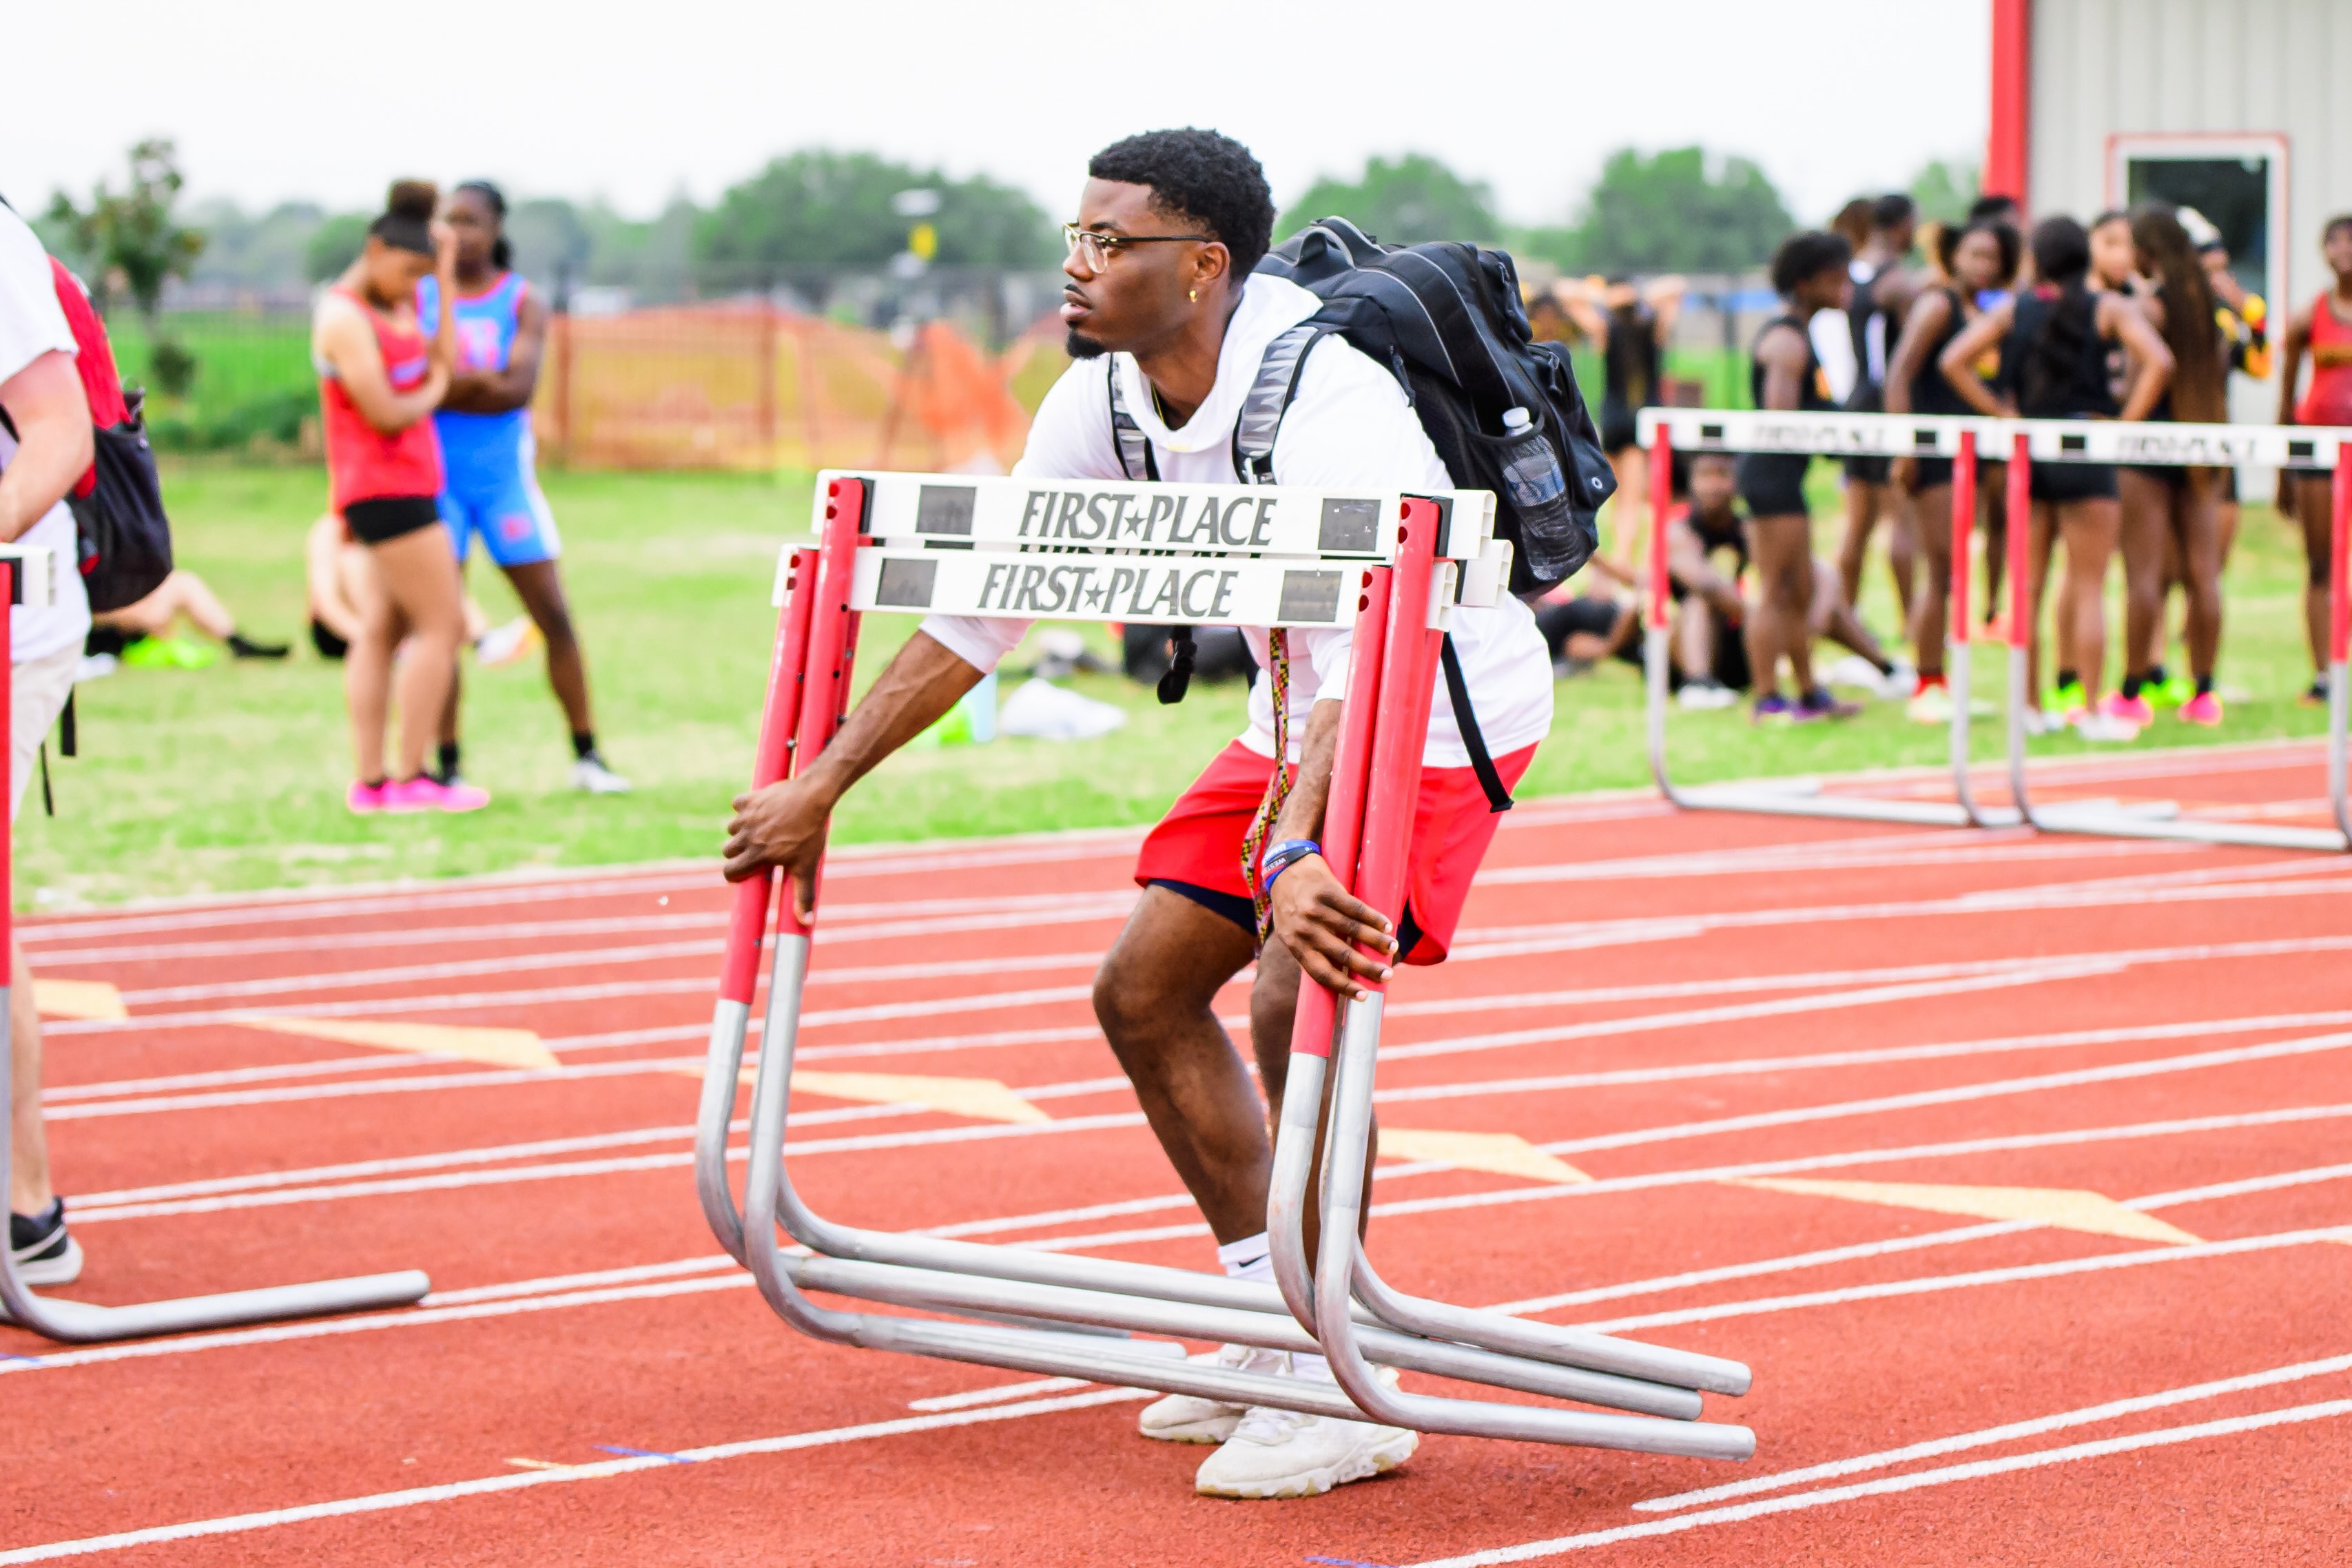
x=29, y=1177
x=1155, y=997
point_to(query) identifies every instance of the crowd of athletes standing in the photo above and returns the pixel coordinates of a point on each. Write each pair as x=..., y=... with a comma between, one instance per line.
x=2134, y=315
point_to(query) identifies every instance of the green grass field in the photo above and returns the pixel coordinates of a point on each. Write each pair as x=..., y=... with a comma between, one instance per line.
x=232, y=778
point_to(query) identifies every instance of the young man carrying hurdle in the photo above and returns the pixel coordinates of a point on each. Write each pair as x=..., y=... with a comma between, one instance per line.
x=1160, y=296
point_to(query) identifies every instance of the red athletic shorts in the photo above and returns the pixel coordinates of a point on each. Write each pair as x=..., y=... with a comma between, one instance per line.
x=1197, y=847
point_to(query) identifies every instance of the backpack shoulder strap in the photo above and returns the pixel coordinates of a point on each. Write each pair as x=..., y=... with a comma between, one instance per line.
x=1270, y=397
x=1465, y=719
x=1133, y=445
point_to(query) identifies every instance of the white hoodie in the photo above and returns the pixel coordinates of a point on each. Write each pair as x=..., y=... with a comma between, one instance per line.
x=1349, y=428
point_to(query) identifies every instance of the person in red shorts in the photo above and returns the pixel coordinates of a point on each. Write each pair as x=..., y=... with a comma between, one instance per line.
x=1167, y=326
x=2323, y=329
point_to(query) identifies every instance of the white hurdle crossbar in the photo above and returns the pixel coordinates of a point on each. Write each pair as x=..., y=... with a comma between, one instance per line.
x=1668, y=431
x=1391, y=566
x=29, y=573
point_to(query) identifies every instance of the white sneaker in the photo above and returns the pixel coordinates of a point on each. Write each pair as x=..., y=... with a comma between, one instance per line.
x=1188, y=1418
x=1283, y=1453
x=590, y=776
x=1700, y=696
x=1932, y=706
x=2106, y=728
x=1852, y=670
x=2037, y=722
x=505, y=642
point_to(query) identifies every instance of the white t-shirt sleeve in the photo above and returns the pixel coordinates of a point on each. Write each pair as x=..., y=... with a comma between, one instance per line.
x=31, y=323
x=1070, y=439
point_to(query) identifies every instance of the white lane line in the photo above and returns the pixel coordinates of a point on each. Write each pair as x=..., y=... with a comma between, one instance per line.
x=921, y=917
x=622, y=990
x=2088, y=1414
x=589, y=958
x=1737, y=1066
x=1839, y=855
x=2058, y=970
x=1976, y=1470
x=1860, y=1251
x=518, y=1480
x=1954, y=1095
x=1932, y=1284
x=653, y=1281
x=2171, y=888
x=2007, y=1142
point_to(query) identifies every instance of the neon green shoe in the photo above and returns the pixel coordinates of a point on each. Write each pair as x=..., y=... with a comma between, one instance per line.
x=2063, y=699
x=169, y=653
x=2173, y=692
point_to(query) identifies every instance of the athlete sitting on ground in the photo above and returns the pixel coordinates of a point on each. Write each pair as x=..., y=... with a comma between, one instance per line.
x=1162, y=296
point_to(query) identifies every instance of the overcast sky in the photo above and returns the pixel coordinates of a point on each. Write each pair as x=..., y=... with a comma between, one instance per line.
x=271, y=99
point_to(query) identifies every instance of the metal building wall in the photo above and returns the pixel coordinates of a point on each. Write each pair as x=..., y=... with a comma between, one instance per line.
x=2100, y=67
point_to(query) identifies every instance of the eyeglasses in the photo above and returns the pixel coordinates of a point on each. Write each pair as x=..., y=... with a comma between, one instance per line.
x=1098, y=249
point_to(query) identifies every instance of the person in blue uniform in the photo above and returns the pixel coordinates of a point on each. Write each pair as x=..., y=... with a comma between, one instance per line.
x=489, y=461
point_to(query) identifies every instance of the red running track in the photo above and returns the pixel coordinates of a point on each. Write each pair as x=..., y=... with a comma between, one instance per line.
x=2124, y=1340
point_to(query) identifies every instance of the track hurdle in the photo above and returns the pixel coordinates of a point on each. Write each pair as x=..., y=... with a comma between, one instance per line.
x=1393, y=566
x=1665, y=431
x=2222, y=446
x=27, y=570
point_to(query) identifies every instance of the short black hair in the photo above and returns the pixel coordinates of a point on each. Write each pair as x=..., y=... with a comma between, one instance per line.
x=2004, y=234
x=1994, y=206
x=2327, y=230
x=1203, y=177
x=1888, y=211
x=1808, y=254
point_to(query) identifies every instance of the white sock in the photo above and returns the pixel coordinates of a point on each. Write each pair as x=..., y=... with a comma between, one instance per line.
x=1251, y=1257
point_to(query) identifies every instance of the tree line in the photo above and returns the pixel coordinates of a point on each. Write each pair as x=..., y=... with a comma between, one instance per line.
x=818, y=211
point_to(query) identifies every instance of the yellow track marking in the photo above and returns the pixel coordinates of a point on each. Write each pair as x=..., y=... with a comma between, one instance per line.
x=1497, y=1154
x=2061, y=1208
x=981, y=1099
x=77, y=999
x=497, y=1048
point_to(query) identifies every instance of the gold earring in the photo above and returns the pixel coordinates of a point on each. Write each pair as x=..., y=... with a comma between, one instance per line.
x=1196, y=295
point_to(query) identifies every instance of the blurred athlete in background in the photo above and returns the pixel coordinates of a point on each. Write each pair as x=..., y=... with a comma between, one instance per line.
x=1978, y=258
x=2322, y=328
x=380, y=378
x=1883, y=290
x=492, y=486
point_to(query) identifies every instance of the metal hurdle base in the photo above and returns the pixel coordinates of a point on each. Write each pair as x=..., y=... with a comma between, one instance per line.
x=81, y=1322
x=1659, y=1390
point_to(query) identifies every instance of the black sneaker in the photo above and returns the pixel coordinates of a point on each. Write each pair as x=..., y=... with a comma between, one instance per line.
x=44, y=1251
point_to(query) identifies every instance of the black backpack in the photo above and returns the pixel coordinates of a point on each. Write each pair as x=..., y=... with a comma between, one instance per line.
x=1446, y=318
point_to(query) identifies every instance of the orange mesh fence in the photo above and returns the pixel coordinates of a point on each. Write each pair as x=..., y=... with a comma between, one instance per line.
x=744, y=386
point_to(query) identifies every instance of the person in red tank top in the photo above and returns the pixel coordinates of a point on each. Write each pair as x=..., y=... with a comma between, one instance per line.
x=380, y=378
x=2322, y=328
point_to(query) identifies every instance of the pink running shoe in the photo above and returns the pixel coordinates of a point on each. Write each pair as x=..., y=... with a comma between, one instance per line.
x=2202, y=708
x=2130, y=709
x=363, y=799
x=405, y=796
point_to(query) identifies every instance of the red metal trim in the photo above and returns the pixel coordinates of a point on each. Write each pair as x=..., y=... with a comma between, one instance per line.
x=1407, y=666
x=832, y=643
x=1964, y=522
x=1343, y=813
x=1661, y=485
x=2022, y=608
x=747, y=925
x=2339, y=563
x=8, y=575
x=2007, y=136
